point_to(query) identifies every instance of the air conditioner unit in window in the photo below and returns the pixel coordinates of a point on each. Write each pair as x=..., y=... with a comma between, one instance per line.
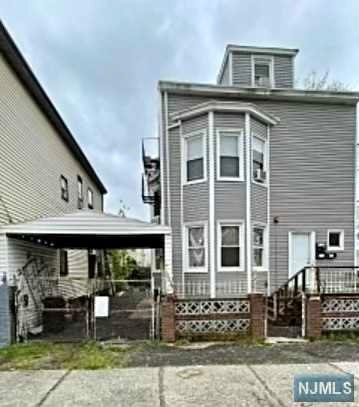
x=262, y=81
x=260, y=175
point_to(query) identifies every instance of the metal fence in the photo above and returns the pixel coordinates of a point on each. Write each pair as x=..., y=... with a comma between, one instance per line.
x=64, y=309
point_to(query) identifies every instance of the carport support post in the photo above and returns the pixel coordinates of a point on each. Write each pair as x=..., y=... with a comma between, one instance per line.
x=168, y=275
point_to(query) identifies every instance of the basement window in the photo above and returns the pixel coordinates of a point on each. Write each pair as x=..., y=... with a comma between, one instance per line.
x=335, y=240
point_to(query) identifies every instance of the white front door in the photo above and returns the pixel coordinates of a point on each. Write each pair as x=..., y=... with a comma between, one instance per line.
x=301, y=251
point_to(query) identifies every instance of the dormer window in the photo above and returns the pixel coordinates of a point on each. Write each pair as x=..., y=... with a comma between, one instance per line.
x=262, y=71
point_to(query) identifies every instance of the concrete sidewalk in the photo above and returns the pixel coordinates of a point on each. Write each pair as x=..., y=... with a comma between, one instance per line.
x=195, y=386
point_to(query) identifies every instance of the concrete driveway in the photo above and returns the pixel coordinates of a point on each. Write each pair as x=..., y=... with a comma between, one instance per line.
x=202, y=386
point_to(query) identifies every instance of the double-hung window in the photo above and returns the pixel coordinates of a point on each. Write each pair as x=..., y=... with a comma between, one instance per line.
x=194, y=157
x=259, y=159
x=262, y=71
x=259, y=249
x=64, y=188
x=80, y=192
x=90, y=198
x=230, y=247
x=229, y=156
x=196, y=248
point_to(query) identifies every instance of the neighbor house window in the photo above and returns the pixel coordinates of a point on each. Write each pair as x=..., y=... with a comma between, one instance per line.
x=335, y=240
x=258, y=247
x=262, y=71
x=229, y=155
x=64, y=188
x=259, y=159
x=230, y=250
x=64, y=267
x=90, y=198
x=196, y=248
x=194, y=156
x=80, y=192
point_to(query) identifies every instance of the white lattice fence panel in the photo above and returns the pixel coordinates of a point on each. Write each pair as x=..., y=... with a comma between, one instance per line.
x=340, y=323
x=340, y=305
x=207, y=307
x=212, y=326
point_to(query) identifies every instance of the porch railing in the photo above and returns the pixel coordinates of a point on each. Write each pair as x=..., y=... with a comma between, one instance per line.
x=314, y=280
x=202, y=289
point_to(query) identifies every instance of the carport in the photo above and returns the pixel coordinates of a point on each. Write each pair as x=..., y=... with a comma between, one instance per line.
x=89, y=230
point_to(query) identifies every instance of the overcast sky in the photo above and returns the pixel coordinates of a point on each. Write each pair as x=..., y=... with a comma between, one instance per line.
x=100, y=60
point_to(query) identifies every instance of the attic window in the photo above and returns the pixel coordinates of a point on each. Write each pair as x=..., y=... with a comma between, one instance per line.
x=262, y=69
x=64, y=188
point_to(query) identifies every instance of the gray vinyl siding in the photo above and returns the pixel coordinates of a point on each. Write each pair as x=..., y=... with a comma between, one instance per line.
x=230, y=197
x=175, y=191
x=311, y=177
x=283, y=71
x=242, y=70
x=77, y=263
x=32, y=158
x=259, y=193
x=226, y=74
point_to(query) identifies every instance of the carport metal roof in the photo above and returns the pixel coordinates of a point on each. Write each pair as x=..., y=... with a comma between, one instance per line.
x=90, y=229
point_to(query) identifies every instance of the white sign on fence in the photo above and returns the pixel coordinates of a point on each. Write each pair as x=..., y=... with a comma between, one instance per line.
x=101, y=306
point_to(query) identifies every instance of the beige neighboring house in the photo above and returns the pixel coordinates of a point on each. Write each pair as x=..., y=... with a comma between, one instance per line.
x=43, y=172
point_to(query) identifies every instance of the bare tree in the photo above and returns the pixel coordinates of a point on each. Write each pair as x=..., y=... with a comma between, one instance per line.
x=317, y=81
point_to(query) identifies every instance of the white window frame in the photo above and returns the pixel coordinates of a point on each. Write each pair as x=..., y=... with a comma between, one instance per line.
x=239, y=223
x=187, y=268
x=339, y=248
x=263, y=59
x=264, y=267
x=265, y=167
x=240, y=140
x=186, y=137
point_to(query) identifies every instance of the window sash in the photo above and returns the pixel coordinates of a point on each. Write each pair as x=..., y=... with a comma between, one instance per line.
x=229, y=155
x=196, y=247
x=259, y=247
x=90, y=198
x=258, y=155
x=230, y=252
x=194, y=157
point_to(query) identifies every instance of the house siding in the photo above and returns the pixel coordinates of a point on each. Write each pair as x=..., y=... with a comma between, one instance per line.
x=225, y=80
x=312, y=164
x=32, y=159
x=242, y=70
x=311, y=179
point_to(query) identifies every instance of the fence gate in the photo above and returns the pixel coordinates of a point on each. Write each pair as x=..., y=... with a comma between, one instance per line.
x=125, y=310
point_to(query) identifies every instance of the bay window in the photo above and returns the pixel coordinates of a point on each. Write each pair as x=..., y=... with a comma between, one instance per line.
x=194, y=157
x=196, y=248
x=229, y=154
x=259, y=159
x=259, y=250
x=230, y=247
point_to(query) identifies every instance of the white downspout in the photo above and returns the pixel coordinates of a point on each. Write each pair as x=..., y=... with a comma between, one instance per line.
x=248, y=243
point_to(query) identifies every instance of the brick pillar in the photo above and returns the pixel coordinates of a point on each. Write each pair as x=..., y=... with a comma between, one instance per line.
x=257, y=315
x=313, y=317
x=168, y=325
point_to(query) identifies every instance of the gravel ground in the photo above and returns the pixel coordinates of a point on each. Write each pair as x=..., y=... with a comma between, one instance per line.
x=230, y=354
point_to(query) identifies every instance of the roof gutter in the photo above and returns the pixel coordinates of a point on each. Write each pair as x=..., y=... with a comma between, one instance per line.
x=314, y=96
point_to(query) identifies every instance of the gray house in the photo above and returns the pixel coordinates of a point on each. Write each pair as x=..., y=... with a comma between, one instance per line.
x=255, y=177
